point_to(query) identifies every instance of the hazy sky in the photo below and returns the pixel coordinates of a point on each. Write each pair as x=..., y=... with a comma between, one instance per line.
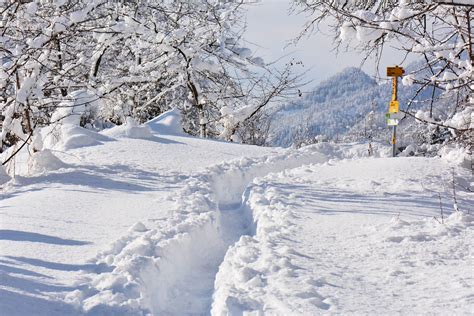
x=270, y=27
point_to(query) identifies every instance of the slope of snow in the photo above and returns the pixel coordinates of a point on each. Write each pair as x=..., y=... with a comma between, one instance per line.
x=352, y=237
x=53, y=222
x=174, y=225
x=129, y=130
x=170, y=268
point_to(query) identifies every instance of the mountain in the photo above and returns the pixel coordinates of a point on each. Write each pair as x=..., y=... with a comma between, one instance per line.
x=335, y=106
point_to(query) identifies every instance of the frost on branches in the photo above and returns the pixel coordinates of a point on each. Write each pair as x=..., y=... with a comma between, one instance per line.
x=438, y=33
x=129, y=59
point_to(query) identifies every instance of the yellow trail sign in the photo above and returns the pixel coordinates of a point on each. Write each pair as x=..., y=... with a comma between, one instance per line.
x=395, y=71
x=393, y=107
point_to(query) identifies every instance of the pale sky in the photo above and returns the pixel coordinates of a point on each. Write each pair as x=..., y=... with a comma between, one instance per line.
x=270, y=27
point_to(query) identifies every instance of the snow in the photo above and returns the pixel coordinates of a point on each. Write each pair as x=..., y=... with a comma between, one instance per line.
x=31, y=8
x=78, y=211
x=408, y=80
x=456, y=155
x=462, y=119
x=168, y=123
x=350, y=237
x=122, y=223
x=4, y=177
x=130, y=129
x=64, y=137
x=347, y=32
x=78, y=16
x=194, y=238
x=69, y=112
x=365, y=34
x=43, y=161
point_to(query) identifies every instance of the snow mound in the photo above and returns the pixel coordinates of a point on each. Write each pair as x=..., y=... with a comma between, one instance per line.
x=456, y=155
x=138, y=227
x=430, y=229
x=129, y=130
x=43, y=161
x=168, y=123
x=69, y=112
x=65, y=137
x=67, y=133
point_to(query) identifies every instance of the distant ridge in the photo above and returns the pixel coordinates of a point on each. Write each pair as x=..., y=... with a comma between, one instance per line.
x=335, y=106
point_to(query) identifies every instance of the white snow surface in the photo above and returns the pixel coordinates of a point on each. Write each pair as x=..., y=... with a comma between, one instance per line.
x=129, y=130
x=168, y=123
x=4, y=177
x=158, y=223
x=54, y=223
x=354, y=237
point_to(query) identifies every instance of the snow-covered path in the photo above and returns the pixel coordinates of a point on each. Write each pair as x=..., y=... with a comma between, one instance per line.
x=170, y=267
x=352, y=237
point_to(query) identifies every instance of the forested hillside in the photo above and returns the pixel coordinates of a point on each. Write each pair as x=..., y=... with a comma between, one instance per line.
x=351, y=106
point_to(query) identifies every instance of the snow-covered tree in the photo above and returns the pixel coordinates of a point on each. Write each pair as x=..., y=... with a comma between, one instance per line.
x=437, y=32
x=103, y=61
x=43, y=63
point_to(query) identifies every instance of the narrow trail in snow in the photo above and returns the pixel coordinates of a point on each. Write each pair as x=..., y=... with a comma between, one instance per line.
x=192, y=294
x=171, y=269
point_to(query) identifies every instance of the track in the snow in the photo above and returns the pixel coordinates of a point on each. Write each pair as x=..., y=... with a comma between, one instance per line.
x=171, y=270
x=192, y=295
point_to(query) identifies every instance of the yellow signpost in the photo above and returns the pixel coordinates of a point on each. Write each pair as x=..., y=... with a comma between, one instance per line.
x=393, y=115
x=393, y=107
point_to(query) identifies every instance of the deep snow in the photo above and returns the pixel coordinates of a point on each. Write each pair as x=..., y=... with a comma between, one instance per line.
x=144, y=220
x=53, y=223
x=352, y=237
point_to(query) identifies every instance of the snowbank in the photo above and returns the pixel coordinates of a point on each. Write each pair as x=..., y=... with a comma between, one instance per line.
x=66, y=137
x=428, y=229
x=43, y=161
x=129, y=130
x=456, y=155
x=168, y=123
